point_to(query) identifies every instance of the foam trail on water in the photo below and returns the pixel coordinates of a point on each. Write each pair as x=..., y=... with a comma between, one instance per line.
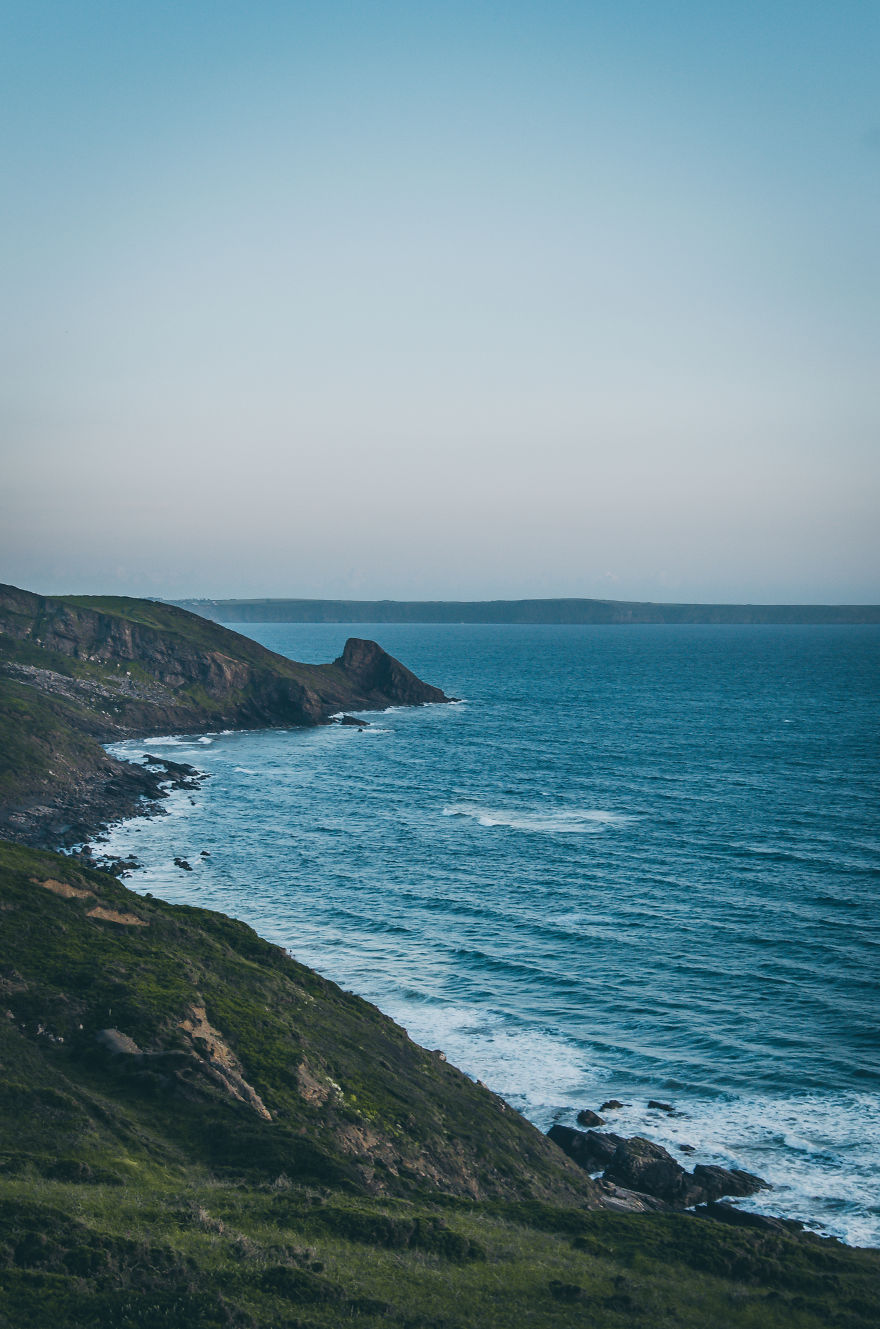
x=577, y=821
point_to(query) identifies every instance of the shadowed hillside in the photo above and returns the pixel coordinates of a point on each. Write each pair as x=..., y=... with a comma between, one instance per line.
x=79, y=671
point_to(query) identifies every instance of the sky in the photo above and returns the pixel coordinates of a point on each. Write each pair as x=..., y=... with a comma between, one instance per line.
x=427, y=301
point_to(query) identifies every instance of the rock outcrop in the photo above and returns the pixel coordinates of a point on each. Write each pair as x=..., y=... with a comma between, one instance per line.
x=638, y=1165
x=381, y=679
x=76, y=672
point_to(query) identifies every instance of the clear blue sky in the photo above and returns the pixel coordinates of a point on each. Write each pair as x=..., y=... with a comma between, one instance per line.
x=451, y=300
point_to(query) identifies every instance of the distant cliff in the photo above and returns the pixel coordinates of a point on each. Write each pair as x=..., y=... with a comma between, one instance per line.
x=519, y=611
x=79, y=671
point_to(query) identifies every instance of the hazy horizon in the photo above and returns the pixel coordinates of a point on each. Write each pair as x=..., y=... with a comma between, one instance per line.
x=388, y=301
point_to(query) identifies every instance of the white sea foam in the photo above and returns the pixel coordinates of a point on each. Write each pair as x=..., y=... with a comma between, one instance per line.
x=523, y=1065
x=563, y=821
x=818, y=1151
x=168, y=741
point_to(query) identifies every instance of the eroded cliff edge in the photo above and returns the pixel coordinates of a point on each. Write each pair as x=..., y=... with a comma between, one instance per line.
x=76, y=672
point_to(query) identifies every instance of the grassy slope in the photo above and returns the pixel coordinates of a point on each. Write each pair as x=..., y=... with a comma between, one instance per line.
x=138, y=1192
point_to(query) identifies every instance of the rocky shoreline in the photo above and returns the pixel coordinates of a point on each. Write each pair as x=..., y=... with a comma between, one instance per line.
x=637, y=1175
x=80, y=672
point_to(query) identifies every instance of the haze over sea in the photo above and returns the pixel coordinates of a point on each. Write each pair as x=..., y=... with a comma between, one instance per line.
x=632, y=863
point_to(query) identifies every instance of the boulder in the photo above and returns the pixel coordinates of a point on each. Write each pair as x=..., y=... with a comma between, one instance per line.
x=717, y=1181
x=611, y=1105
x=587, y=1118
x=639, y=1165
x=591, y=1150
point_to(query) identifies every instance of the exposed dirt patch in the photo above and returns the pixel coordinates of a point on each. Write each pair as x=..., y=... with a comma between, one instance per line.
x=64, y=889
x=114, y=916
x=311, y=1089
x=227, y=1070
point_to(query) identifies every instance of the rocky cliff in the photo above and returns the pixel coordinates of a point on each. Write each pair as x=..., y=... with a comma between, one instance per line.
x=78, y=671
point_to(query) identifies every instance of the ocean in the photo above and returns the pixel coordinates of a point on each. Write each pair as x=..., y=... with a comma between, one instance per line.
x=632, y=862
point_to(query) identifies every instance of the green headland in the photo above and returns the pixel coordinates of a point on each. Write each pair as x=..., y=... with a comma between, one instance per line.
x=197, y=1130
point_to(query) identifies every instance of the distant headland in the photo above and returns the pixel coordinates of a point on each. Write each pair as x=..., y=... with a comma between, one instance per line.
x=558, y=611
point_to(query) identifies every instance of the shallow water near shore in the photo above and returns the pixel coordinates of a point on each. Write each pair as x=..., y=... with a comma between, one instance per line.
x=634, y=862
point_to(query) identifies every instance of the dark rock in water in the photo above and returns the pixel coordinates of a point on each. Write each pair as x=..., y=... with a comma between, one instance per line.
x=640, y=1165
x=352, y=720
x=205, y=853
x=180, y=769
x=662, y=1107
x=591, y=1150
x=182, y=863
x=686, y=1149
x=728, y=1213
x=718, y=1181
x=588, y=1118
x=611, y=1105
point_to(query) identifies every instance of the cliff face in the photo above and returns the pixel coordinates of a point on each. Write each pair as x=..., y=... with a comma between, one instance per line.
x=76, y=670
x=378, y=675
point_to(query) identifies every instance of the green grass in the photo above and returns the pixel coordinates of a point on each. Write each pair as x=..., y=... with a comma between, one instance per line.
x=208, y=1253
x=136, y=1193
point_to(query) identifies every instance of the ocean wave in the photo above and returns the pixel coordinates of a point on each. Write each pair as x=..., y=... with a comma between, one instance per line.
x=572, y=821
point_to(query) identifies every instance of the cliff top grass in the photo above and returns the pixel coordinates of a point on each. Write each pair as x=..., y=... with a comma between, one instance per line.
x=197, y=1130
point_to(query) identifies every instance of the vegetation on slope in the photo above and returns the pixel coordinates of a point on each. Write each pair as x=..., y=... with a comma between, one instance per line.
x=196, y=1130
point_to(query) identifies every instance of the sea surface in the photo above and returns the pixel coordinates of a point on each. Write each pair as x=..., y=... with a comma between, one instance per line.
x=634, y=862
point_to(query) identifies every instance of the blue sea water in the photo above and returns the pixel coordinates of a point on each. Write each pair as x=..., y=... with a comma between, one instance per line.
x=633, y=862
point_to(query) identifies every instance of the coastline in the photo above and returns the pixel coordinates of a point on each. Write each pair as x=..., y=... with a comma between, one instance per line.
x=158, y=776
x=663, y=1197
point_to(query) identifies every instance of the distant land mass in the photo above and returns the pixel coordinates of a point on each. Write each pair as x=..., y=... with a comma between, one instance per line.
x=518, y=611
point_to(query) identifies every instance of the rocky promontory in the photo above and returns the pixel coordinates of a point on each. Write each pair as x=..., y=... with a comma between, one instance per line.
x=79, y=671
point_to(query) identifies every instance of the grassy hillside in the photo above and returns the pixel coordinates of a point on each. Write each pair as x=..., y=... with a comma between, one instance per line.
x=195, y=1130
